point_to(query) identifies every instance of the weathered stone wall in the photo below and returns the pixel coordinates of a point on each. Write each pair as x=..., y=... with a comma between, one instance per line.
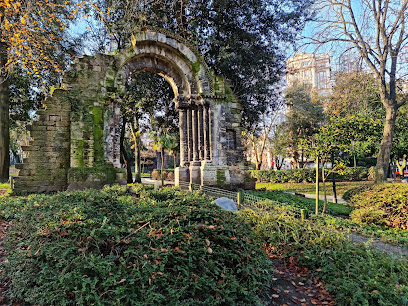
x=92, y=94
x=46, y=167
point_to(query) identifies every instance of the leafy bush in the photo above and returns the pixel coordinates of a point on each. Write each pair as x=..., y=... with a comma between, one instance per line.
x=170, y=176
x=167, y=174
x=307, y=175
x=355, y=274
x=110, y=248
x=385, y=204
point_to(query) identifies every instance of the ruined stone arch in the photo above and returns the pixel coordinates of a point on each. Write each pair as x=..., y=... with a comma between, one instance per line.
x=76, y=136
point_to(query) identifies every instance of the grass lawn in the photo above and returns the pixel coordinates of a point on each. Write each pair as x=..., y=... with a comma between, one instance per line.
x=341, y=187
x=304, y=203
x=5, y=189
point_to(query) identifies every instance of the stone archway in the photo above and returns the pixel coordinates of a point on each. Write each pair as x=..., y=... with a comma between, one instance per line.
x=76, y=139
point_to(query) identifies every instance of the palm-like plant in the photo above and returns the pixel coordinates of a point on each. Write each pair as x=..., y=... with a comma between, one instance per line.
x=159, y=145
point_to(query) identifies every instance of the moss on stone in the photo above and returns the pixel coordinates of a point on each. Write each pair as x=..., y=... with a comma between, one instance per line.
x=98, y=134
x=221, y=179
x=196, y=67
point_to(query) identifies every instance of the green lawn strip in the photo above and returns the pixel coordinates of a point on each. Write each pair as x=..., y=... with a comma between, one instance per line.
x=308, y=188
x=302, y=203
x=5, y=190
x=149, y=247
x=355, y=274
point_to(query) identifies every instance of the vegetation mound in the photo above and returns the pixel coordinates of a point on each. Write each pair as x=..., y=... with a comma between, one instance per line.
x=114, y=248
x=385, y=204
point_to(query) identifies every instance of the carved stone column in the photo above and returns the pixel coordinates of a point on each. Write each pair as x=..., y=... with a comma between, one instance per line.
x=207, y=129
x=201, y=132
x=196, y=157
x=182, y=173
x=184, y=158
x=190, y=133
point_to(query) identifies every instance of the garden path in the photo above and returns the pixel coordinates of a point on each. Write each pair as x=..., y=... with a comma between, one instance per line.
x=377, y=244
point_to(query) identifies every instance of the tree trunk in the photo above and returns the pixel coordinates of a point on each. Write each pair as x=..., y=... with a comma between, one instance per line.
x=125, y=157
x=4, y=118
x=162, y=162
x=324, y=191
x=258, y=165
x=383, y=159
x=136, y=135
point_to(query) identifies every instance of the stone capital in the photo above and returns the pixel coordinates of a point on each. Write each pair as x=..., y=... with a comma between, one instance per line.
x=182, y=102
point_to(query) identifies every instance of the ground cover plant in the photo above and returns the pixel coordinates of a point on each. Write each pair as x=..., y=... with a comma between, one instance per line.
x=355, y=274
x=148, y=247
x=310, y=188
x=384, y=204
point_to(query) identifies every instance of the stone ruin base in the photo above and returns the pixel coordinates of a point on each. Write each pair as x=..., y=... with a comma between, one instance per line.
x=228, y=177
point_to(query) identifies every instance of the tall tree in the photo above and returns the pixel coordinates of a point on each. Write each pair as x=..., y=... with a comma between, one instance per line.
x=31, y=34
x=242, y=40
x=303, y=120
x=376, y=29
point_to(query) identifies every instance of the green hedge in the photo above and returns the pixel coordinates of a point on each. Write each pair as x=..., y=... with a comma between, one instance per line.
x=307, y=175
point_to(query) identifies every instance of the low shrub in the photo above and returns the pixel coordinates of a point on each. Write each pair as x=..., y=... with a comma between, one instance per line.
x=308, y=175
x=354, y=273
x=155, y=174
x=384, y=204
x=111, y=248
x=168, y=174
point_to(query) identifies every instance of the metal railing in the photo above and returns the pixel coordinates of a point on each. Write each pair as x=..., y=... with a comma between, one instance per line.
x=244, y=199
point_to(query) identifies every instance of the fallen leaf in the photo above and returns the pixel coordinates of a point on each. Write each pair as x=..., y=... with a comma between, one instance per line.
x=210, y=251
x=275, y=296
x=122, y=281
x=177, y=249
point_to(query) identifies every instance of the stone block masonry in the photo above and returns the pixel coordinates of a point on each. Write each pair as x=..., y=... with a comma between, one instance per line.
x=46, y=167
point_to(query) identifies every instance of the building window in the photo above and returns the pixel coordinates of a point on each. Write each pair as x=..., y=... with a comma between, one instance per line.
x=306, y=74
x=305, y=64
x=322, y=79
x=231, y=143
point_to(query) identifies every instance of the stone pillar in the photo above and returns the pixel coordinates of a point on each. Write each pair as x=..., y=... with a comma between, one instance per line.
x=196, y=157
x=195, y=165
x=182, y=173
x=190, y=133
x=201, y=132
x=184, y=158
x=207, y=132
